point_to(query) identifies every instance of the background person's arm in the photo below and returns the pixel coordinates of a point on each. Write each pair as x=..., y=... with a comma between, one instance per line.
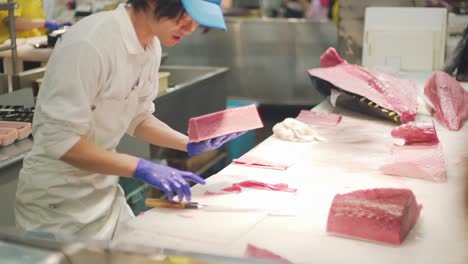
x=25, y=24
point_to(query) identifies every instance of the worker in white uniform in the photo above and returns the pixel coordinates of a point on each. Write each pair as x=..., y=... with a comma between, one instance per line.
x=100, y=83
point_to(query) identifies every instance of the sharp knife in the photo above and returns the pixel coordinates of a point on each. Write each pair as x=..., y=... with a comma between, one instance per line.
x=159, y=203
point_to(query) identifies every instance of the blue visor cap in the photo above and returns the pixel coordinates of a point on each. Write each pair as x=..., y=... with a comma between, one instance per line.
x=207, y=13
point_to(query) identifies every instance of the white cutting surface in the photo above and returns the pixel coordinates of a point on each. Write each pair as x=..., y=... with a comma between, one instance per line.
x=347, y=161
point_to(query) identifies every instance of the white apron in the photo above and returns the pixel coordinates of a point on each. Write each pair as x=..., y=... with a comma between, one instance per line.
x=59, y=198
x=96, y=90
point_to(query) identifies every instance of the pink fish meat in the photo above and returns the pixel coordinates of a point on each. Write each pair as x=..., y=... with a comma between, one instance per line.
x=330, y=58
x=423, y=161
x=383, y=89
x=252, y=161
x=318, y=118
x=449, y=100
x=224, y=122
x=383, y=215
x=255, y=252
x=237, y=187
x=416, y=132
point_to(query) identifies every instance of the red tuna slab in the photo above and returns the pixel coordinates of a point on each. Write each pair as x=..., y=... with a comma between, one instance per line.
x=423, y=161
x=224, y=122
x=331, y=58
x=383, y=89
x=449, y=100
x=416, y=132
x=383, y=215
x=318, y=118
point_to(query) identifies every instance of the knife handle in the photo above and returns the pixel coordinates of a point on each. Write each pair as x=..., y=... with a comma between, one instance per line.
x=151, y=202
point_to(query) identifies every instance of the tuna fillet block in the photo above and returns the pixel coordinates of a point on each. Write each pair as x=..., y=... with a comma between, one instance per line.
x=416, y=132
x=224, y=122
x=449, y=100
x=383, y=215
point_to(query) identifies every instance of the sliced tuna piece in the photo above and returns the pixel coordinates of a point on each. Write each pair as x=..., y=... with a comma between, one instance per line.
x=417, y=132
x=383, y=215
x=449, y=100
x=248, y=160
x=8, y=136
x=382, y=89
x=224, y=122
x=423, y=161
x=237, y=187
x=24, y=128
x=331, y=58
x=318, y=118
x=255, y=252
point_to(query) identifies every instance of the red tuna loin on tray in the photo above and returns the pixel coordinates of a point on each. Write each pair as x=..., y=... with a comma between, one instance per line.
x=383, y=215
x=449, y=100
x=383, y=89
x=24, y=129
x=318, y=118
x=416, y=132
x=224, y=122
x=423, y=161
x=8, y=136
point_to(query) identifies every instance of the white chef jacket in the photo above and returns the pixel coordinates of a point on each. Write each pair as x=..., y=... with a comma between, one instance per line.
x=99, y=83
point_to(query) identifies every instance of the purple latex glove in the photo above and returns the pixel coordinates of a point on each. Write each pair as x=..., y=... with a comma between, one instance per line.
x=52, y=25
x=195, y=148
x=169, y=180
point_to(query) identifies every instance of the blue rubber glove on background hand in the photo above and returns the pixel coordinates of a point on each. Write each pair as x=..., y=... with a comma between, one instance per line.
x=195, y=148
x=169, y=180
x=52, y=25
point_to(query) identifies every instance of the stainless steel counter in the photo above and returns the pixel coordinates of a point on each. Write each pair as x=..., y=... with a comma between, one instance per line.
x=16, y=152
x=268, y=58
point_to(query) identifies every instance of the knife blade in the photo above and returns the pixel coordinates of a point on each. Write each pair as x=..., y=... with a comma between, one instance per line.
x=160, y=203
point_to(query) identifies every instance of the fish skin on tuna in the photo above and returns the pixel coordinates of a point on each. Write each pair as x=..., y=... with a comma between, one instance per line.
x=385, y=90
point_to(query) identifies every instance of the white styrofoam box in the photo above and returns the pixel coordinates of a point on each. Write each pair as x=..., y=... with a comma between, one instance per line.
x=404, y=39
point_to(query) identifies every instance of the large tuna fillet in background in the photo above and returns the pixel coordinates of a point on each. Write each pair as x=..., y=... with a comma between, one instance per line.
x=423, y=161
x=417, y=132
x=384, y=90
x=383, y=215
x=449, y=100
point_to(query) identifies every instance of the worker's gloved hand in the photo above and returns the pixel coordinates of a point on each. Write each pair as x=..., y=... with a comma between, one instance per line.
x=52, y=25
x=195, y=148
x=169, y=180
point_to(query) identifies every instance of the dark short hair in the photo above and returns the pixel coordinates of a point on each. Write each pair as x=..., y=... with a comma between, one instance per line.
x=165, y=8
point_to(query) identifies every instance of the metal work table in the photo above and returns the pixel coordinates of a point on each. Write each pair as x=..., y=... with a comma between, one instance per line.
x=348, y=160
